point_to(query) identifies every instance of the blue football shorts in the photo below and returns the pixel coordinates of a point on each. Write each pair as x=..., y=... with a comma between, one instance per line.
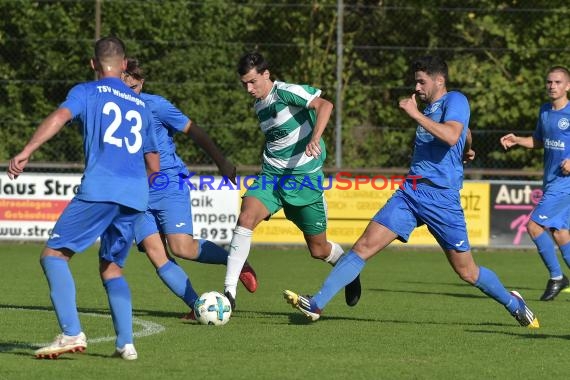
x=553, y=211
x=169, y=212
x=82, y=222
x=439, y=209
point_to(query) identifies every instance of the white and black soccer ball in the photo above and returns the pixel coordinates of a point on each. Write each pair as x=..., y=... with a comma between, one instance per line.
x=213, y=308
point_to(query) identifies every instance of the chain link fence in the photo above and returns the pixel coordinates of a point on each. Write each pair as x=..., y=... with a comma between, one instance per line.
x=196, y=71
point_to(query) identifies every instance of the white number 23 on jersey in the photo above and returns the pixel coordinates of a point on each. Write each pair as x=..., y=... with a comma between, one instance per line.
x=132, y=116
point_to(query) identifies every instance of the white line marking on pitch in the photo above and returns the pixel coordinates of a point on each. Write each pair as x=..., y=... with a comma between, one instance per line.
x=148, y=327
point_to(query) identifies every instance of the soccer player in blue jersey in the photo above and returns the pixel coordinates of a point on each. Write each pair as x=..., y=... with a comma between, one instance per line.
x=552, y=213
x=292, y=118
x=167, y=223
x=117, y=140
x=442, y=143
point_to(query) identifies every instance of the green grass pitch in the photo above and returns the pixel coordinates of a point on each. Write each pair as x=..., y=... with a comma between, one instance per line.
x=415, y=320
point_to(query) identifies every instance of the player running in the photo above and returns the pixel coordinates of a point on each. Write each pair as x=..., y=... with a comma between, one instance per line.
x=443, y=142
x=167, y=223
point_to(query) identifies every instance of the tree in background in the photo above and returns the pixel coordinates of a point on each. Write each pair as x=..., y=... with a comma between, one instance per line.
x=498, y=53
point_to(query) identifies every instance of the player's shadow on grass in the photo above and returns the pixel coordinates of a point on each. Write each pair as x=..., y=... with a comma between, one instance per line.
x=26, y=307
x=20, y=349
x=298, y=319
x=462, y=284
x=436, y=293
x=10, y=347
x=295, y=317
x=527, y=335
x=160, y=313
x=27, y=350
x=102, y=311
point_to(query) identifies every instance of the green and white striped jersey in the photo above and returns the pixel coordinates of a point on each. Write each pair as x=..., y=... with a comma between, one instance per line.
x=287, y=122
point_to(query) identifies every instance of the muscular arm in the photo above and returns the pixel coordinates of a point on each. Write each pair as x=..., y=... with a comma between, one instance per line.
x=323, y=109
x=448, y=132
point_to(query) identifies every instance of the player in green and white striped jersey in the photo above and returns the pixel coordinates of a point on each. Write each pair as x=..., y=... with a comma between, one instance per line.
x=292, y=118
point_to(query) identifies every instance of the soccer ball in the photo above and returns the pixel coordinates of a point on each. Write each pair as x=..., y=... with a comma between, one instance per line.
x=212, y=308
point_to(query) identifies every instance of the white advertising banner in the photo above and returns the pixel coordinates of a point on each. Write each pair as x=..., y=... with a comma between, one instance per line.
x=30, y=206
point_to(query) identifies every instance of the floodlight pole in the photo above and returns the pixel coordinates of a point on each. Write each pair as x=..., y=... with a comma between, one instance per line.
x=97, y=23
x=339, y=68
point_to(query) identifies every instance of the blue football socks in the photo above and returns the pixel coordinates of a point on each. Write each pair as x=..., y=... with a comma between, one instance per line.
x=119, y=295
x=211, y=253
x=547, y=252
x=62, y=293
x=565, y=251
x=489, y=283
x=178, y=282
x=346, y=269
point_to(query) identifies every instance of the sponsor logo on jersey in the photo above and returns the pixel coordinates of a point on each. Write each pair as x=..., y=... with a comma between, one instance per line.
x=554, y=144
x=431, y=109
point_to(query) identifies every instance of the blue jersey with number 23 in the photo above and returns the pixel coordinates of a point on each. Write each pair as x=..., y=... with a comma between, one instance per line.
x=117, y=131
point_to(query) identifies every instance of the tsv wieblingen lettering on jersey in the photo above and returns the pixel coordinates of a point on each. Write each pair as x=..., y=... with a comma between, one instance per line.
x=117, y=132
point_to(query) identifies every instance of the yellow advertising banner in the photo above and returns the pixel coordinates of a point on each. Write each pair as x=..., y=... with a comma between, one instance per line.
x=351, y=207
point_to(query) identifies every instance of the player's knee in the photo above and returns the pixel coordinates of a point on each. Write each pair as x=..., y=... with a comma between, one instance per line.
x=319, y=251
x=155, y=253
x=188, y=251
x=534, y=229
x=108, y=270
x=247, y=220
x=467, y=275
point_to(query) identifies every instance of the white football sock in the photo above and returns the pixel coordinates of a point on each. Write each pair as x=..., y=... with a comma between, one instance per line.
x=336, y=253
x=239, y=250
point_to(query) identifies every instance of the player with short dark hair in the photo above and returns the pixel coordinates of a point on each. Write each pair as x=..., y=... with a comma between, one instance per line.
x=167, y=223
x=552, y=213
x=292, y=118
x=442, y=144
x=117, y=139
